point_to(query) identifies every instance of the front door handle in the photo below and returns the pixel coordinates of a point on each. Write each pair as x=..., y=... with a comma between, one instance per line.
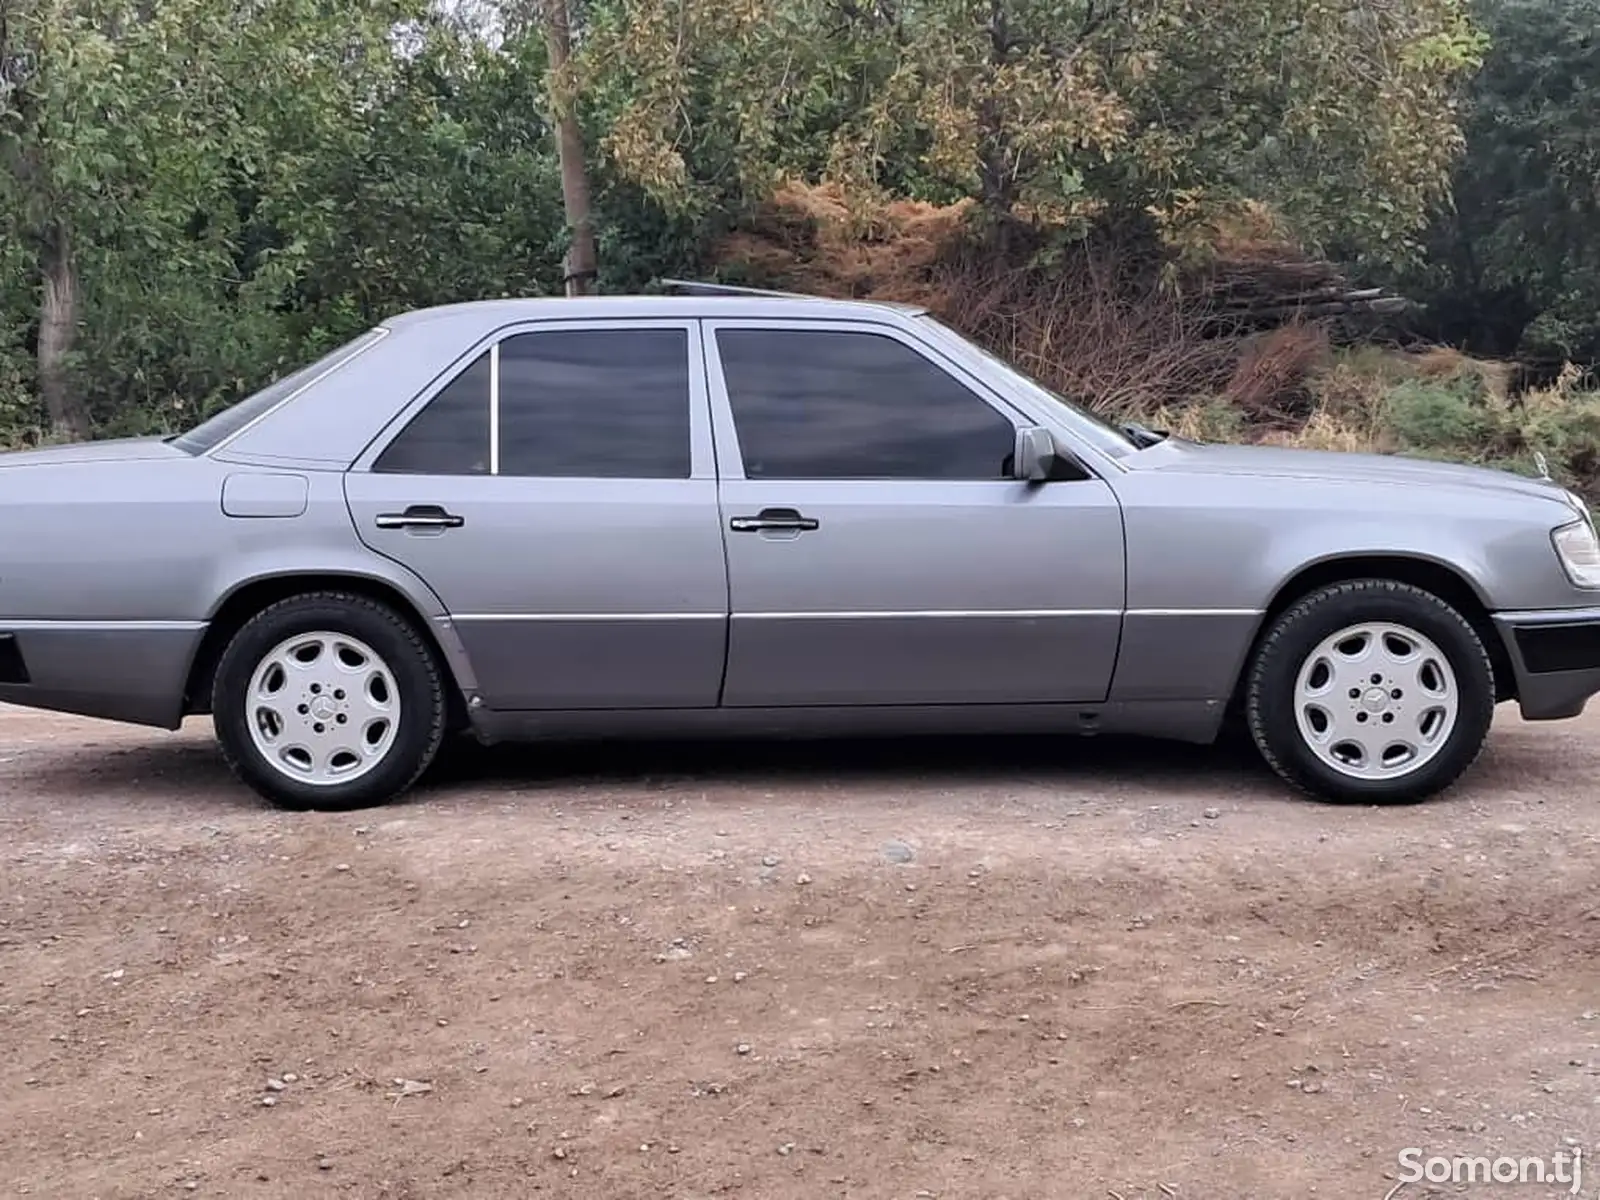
x=421, y=516
x=782, y=520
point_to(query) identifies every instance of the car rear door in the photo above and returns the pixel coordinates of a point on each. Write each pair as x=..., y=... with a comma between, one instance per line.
x=878, y=551
x=558, y=492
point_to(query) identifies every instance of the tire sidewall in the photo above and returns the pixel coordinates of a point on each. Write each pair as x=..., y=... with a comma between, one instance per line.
x=416, y=682
x=1271, y=702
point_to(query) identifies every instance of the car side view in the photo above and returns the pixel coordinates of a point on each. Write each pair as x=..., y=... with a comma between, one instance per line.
x=722, y=512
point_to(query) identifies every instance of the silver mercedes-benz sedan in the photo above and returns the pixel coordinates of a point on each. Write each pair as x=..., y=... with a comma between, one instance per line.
x=725, y=512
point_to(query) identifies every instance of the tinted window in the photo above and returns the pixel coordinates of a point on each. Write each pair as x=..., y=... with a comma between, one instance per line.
x=596, y=403
x=835, y=405
x=451, y=435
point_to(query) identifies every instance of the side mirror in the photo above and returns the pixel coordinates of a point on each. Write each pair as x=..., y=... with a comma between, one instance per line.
x=1036, y=457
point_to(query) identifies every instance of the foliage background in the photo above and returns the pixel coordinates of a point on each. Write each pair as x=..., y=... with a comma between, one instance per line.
x=199, y=195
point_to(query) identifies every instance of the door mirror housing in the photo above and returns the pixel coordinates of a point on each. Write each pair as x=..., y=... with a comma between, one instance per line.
x=1036, y=458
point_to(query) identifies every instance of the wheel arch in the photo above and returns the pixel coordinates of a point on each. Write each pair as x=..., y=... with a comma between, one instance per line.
x=250, y=596
x=1450, y=584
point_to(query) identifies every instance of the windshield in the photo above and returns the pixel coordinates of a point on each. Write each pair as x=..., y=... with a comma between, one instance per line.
x=1104, y=435
x=223, y=425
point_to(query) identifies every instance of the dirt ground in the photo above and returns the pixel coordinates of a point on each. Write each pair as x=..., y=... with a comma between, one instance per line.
x=954, y=969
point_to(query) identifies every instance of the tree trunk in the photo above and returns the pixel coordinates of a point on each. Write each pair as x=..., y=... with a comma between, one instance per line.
x=582, y=256
x=997, y=180
x=58, y=328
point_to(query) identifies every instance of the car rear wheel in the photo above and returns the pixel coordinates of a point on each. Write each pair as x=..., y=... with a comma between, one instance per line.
x=328, y=701
x=1371, y=691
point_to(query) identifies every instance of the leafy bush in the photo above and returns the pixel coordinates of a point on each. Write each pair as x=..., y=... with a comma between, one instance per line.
x=1451, y=414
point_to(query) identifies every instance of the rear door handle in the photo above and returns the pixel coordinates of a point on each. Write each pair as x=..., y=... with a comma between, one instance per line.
x=421, y=516
x=773, y=519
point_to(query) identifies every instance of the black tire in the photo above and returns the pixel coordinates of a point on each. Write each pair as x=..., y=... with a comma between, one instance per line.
x=1296, y=634
x=419, y=685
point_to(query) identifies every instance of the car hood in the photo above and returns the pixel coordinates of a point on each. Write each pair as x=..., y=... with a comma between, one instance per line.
x=110, y=450
x=1286, y=463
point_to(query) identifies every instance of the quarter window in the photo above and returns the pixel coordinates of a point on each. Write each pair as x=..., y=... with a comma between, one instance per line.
x=832, y=404
x=451, y=435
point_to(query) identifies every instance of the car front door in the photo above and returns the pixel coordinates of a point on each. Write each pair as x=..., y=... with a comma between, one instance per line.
x=879, y=553
x=559, y=494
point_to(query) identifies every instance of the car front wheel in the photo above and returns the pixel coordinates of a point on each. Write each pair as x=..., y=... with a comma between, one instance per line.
x=1371, y=691
x=328, y=701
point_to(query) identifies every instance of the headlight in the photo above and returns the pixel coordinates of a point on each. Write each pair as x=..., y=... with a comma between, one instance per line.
x=1579, y=551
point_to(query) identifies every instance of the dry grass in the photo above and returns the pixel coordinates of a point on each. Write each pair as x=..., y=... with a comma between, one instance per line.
x=1325, y=430
x=1248, y=232
x=816, y=239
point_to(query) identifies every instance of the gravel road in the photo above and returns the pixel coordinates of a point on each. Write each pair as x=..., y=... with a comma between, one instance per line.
x=949, y=969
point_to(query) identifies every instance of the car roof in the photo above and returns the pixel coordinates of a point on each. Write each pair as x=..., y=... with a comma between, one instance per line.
x=746, y=304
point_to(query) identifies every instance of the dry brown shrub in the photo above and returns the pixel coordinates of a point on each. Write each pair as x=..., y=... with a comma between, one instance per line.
x=816, y=239
x=1271, y=382
x=1096, y=324
x=1091, y=328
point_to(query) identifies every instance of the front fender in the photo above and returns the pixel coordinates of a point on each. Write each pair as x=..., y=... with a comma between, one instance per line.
x=1208, y=557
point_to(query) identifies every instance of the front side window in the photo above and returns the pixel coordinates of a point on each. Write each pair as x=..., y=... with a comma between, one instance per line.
x=585, y=403
x=837, y=404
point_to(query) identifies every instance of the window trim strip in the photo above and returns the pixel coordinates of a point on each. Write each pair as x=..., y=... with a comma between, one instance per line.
x=494, y=408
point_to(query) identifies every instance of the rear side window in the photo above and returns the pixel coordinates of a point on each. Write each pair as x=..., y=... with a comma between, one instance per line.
x=572, y=403
x=595, y=403
x=838, y=404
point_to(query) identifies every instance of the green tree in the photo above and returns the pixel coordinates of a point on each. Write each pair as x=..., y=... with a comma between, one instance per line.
x=83, y=109
x=162, y=196
x=1340, y=114
x=425, y=186
x=1515, y=267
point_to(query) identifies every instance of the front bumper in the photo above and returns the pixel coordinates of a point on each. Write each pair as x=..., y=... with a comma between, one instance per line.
x=1555, y=655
